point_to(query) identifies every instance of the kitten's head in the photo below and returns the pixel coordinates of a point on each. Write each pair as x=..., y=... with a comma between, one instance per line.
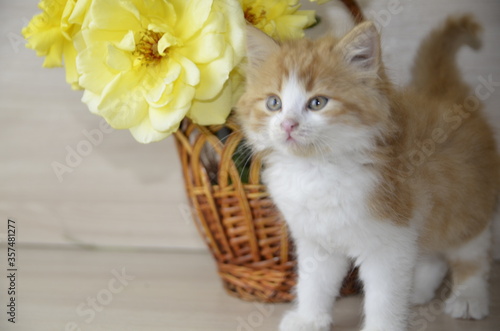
x=320, y=97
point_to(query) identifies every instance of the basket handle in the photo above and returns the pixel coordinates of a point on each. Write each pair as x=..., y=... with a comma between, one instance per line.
x=355, y=10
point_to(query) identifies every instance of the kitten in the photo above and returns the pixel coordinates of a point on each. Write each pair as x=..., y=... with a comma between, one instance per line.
x=403, y=182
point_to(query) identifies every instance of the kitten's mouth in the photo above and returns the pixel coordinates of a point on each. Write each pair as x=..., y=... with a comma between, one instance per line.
x=296, y=144
x=292, y=143
x=291, y=140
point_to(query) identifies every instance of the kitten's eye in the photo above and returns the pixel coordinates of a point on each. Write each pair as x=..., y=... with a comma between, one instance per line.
x=317, y=103
x=273, y=103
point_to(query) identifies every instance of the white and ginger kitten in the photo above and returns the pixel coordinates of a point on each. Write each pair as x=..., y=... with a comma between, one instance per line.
x=403, y=182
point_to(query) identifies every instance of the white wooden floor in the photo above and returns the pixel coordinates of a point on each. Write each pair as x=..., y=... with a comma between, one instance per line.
x=113, y=290
x=123, y=193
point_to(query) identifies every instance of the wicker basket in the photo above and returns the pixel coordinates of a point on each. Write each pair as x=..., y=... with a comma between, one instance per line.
x=237, y=219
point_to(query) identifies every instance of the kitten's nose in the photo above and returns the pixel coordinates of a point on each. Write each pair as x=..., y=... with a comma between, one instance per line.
x=289, y=125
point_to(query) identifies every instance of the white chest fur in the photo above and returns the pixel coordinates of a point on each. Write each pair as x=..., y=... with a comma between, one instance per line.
x=327, y=202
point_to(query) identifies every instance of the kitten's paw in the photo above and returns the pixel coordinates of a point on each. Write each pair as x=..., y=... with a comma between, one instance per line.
x=468, y=307
x=293, y=321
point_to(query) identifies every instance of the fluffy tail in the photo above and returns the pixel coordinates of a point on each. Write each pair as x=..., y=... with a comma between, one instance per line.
x=435, y=72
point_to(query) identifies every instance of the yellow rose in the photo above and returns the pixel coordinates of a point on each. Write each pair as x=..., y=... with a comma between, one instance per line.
x=147, y=64
x=51, y=34
x=278, y=18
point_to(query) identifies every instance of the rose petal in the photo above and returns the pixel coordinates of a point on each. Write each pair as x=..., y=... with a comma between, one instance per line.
x=122, y=102
x=94, y=73
x=214, y=75
x=54, y=56
x=145, y=133
x=167, y=120
x=125, y=16
x=165, y=42
x=127, y=43
x=158, y=82
x=214, y=111
x=235, y=27
x=191, y=73
x=291, y=26
x=192, y=16
x=209, y=43
x=79, y=12
x=69, y=54
x=91, y=100
x=118, y=59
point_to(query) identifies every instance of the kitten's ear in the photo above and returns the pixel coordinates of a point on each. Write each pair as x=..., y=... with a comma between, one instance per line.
x=361, y=47
x=259, y=46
